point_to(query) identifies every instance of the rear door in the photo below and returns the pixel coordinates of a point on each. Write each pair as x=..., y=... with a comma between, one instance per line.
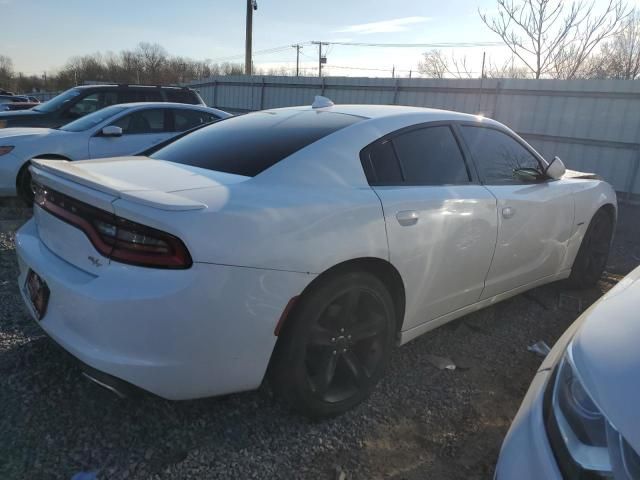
x=441, y=224
x=535, y=216
x=141, y=129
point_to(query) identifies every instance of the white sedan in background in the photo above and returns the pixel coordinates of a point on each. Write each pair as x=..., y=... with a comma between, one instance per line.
x=298, y=243
x=579, y=418
x=122, y=129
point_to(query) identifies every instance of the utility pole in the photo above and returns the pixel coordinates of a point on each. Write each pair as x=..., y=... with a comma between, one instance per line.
x=251, y=6
x=321, y=60
x=484, y=54
x=393, y=72
x=297, y=46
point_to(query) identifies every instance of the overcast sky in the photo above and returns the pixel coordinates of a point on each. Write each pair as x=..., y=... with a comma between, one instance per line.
x=41, y=35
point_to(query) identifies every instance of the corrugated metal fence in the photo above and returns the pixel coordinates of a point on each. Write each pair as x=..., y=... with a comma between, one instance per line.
x=593, y=125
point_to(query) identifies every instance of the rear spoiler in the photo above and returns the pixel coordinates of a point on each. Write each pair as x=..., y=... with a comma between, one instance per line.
x=43, y=170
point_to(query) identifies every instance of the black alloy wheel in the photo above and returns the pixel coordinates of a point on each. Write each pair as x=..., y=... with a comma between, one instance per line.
x=594, y=251
x=337, y=345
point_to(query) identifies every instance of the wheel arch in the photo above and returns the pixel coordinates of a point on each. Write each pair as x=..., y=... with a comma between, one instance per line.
x=611, y=209
x=380, y=268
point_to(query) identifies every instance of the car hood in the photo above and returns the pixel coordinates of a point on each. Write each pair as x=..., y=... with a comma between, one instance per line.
x=606, y=352
x=26, y=132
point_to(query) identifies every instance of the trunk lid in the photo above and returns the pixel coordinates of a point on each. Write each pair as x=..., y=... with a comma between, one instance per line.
x=154, y=183
x=163, y=186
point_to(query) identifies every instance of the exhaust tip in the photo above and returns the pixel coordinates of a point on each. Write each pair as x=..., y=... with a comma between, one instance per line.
x=105, y=385
x=118, y=387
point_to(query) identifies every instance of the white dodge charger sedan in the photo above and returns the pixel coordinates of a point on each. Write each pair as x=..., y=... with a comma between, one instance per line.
x=122, y=129
x=298, y=244
x=579, y=419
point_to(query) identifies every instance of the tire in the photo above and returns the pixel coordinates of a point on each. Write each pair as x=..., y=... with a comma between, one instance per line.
x=592, y=256
x=335, y=345
x=23, y=185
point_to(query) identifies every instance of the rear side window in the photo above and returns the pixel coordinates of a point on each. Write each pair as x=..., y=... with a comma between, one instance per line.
x=145, y=94
x=184, y=119
x=249, y=144
x=497, y=155
x=423, y=156
x=431, y=156
x=181, y=96
x=384, y=164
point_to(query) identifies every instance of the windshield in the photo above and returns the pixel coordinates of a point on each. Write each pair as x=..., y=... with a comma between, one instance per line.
x=56, y=102
x=93, y=119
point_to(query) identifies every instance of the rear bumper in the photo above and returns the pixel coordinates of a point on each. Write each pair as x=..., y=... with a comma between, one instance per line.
x=179, y=334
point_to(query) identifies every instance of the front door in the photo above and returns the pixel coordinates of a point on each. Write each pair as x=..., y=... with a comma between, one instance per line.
x=141, y=129
x=535, y=215
x=441, y=226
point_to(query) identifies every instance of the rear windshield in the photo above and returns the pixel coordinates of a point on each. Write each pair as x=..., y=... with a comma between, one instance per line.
x=56, y=102
x=249, y=144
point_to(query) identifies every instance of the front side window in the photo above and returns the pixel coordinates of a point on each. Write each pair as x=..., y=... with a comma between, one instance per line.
x=93, y=119
x=422, y=156
x=142, y=121
x=92, y=103
x=499, y=156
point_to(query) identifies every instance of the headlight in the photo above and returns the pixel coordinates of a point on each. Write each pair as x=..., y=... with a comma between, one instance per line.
x=586, y=444
x=4, y=149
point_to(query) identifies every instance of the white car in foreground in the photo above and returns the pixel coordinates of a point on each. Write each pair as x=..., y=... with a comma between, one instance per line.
x=122, y=129
x=579, y=418
x=303, y=242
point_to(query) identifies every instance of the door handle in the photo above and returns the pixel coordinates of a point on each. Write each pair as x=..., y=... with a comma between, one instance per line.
x=406, y=218
x=508, y=212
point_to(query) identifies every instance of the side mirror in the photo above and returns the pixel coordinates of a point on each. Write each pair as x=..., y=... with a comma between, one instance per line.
x=111, y=131
x=556, y=168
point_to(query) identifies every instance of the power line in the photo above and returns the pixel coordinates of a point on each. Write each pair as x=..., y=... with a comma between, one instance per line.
x=361, y=44
x=258, y=52
x=417, y=45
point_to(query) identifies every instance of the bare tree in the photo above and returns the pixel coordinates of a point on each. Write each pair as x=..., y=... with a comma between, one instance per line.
x=435, y=64
x=509, y=69
x=6, y=71
x=619, y=57
x=152, y=57
x=554, y=37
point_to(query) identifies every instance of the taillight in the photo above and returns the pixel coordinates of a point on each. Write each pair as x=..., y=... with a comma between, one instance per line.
x=114, y=237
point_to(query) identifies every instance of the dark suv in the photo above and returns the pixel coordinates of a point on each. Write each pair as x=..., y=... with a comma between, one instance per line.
x=79, y=101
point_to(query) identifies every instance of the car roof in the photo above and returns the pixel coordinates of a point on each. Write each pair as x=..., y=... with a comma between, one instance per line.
x=116, y=85
x=162, y=104
x=382, y=111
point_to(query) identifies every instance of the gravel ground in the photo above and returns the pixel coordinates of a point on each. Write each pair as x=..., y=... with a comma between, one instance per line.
x=421, y=422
